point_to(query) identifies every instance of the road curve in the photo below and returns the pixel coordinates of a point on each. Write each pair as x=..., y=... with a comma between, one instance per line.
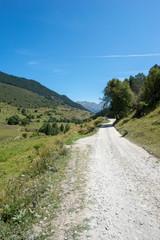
x=123, y=188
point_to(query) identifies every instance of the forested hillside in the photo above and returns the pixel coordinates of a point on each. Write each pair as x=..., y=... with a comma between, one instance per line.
x=36, y=87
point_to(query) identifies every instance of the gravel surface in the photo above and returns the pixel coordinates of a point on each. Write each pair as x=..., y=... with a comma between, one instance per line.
x=122, y=190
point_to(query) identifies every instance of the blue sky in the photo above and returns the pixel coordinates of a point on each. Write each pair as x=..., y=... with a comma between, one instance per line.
x=75, y=46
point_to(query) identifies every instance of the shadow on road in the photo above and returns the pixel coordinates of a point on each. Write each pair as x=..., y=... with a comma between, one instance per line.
x=106, y=126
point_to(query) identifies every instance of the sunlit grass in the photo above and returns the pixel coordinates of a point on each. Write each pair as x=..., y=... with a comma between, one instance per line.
x=145, y=130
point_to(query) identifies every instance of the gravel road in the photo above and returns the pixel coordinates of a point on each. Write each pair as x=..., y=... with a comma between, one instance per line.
x=123, y=188
x=122, y=191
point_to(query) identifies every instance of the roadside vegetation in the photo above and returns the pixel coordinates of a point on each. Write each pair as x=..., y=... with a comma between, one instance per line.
x=144, y=130
x=33, y=158
x=135, y=103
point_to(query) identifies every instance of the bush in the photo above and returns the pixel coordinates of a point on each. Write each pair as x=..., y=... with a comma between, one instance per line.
x=62, y=128
x=140, y=109
x=25, y=121
x=98, y=122
x=13, y=120
x=49, y=130
x=67, y=128
x=24, y=135
x=24, y=112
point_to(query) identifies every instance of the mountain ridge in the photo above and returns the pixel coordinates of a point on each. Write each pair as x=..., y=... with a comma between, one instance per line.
x=91, y=106
x=38, y=88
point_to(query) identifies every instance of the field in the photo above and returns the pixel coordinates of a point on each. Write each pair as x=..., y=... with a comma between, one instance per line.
x=28, y=162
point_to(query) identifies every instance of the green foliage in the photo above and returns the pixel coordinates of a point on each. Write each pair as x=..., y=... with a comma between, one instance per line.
x=50, y=130
x=55, y=129
x=140, y=109
x=119, y=96
x=67, y=128
x=136, y=83
x=25, y=121
x=98, y=122
x=24, y=112
x=19, y=216
x=13, y=120
x=24, y=135
x=62, y=128
x=151, y=90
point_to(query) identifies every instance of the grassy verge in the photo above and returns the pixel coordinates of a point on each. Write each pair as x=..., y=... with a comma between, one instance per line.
x=28, y=169
x=144, y=131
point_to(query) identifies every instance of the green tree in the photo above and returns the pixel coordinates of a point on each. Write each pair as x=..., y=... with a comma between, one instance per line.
x=136, y=83
x=55, y=129
x=46, y=128
x=151, y=90
x=119, y=96
x=62, y=128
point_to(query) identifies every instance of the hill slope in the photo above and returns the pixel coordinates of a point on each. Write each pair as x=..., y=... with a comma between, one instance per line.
x=145, y=130
x=19, y=97
x=36, y=87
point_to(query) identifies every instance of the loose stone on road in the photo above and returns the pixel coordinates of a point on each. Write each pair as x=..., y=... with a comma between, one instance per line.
x=122, y=190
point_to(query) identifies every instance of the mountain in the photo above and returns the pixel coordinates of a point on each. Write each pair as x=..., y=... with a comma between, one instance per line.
x=20, y=97
x=36, y=87
x=91, y=106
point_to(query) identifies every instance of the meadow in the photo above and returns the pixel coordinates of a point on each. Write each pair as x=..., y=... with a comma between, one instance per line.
x=27, y=157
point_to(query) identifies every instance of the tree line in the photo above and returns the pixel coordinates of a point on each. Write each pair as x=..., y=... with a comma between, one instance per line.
x=137, y=93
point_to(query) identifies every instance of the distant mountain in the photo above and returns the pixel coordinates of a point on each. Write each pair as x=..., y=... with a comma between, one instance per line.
x=36, y=87
x=91, y=106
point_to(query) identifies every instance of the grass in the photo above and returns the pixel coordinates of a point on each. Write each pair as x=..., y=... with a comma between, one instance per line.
x=8, y=132
x=28, y=166
x=144, y=131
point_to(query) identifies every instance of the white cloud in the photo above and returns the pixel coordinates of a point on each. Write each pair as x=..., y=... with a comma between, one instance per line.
x=126, y=56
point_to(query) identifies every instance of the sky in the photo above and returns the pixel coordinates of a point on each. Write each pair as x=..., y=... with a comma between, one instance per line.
x=75, y=47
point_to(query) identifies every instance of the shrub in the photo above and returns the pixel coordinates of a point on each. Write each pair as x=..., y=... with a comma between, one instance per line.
x=67, y=128
x=14, y=120
x=49, y=130
x=24, y=112
x=62, y=128
x=25, y=121
x=24, y=135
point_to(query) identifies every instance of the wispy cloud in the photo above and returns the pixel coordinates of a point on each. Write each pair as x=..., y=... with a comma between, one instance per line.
x=25, y=52
x=32, y=63
x=125, y=56
x=57, y=70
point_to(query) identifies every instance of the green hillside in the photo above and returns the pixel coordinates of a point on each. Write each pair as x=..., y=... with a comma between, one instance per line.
x=19, y=97
x=36, y=87
x=145, y=130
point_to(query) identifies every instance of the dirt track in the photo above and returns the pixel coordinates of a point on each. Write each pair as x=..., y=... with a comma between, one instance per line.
x=122, y=191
